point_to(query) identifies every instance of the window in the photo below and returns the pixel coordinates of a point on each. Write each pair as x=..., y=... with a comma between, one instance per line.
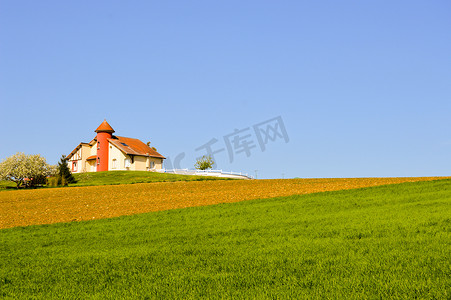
x=98, y=160
x=127, y=163
x=74, y=166
x=114, y=165
x=152, y=164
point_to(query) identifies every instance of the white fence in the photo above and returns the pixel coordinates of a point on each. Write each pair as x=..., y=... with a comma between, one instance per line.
x=216, y=173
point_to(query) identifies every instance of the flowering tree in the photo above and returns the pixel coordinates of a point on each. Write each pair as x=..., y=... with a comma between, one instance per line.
x=20, y=166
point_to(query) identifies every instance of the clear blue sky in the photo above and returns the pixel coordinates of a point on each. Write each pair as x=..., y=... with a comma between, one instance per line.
x=363, y=87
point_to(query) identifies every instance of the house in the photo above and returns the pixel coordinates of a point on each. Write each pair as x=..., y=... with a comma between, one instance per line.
x=108, y=152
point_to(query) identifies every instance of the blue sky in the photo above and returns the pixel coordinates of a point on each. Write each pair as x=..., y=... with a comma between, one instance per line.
x=362, y=87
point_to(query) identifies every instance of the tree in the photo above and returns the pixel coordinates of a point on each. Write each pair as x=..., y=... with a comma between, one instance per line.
x=148, y=145
x=64, y=173
x=204, y=163
x=22, y=167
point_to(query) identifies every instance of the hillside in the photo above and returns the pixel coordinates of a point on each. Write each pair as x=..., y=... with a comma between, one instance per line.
x=390, y=241
x=44, y=206
x=123, y=177
x=131, y=177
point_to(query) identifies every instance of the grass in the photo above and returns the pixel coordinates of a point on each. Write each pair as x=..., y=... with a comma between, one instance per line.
x=45, y=206
x=123, y=177
x=130, y=177
x=382, y=242
x=6, y=185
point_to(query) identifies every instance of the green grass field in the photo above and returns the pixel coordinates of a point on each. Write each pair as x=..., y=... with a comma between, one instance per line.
x=123, y=177
x=6, y=185
x=129, y=177
x=383, y=242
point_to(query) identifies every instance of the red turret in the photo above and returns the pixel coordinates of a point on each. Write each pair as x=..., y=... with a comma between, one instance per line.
x=104, y=132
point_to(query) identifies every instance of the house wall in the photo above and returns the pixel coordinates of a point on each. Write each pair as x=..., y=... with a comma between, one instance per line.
x=93, y=149
x=80, y=158
x=143, y=163
x=120, y=159
x=76, y=158
x=85, y=153
x=91, y=165
x=140, y=163
x=157, y=161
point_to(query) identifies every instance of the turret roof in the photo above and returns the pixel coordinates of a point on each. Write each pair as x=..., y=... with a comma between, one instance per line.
x=104, y=127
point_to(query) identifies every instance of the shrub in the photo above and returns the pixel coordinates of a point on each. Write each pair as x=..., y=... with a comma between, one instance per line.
x=204, y=163
x=52, y=181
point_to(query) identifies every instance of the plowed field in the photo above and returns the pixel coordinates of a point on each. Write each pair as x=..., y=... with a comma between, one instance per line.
x=45, y=206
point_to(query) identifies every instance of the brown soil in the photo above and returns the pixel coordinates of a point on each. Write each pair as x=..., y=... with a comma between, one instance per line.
x=45, y=206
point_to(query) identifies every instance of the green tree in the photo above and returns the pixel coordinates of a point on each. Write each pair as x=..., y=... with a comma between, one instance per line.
x=21, y=167
x=204, y=163
x=64, y=173
x=148, y=145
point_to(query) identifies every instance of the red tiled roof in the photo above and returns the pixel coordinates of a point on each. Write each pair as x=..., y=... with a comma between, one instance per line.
x=104, y=127
x=132, y=146
x=127, y=145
